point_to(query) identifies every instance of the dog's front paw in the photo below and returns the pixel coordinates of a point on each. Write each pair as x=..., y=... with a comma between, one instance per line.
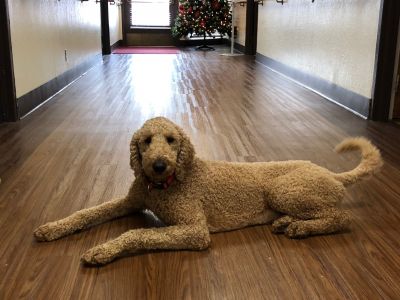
x=47, y=232
x=99, y=255
x=296, y=230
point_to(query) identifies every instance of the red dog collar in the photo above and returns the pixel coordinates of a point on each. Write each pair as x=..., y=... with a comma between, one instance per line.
x=161, y=185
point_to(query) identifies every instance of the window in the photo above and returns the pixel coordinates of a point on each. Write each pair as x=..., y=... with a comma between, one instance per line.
x=150, y=13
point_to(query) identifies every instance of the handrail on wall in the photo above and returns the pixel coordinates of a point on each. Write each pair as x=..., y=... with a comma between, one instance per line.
x=283, y=1
x=241, y=3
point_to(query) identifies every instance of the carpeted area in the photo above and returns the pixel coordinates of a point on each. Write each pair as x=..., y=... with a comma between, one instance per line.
x=146, y=50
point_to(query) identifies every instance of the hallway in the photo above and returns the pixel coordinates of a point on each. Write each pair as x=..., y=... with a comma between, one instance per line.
x=73, y=152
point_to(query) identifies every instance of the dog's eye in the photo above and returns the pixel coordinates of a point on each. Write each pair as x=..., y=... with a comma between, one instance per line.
x=148, y=140
x=170, y=140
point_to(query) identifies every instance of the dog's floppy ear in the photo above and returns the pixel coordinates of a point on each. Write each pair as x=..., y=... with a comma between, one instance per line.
x=185, y=156
x=136, y=158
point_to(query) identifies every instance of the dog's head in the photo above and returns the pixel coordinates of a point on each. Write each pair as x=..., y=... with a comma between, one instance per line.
x=160, y=149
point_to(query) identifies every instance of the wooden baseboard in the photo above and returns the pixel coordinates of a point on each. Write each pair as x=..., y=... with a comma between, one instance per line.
x=34, y=98
x=239, y=47
x=116, y=45
x=354, y=102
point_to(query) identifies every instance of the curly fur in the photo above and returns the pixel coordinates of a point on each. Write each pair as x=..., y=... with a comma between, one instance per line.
x=298, y=197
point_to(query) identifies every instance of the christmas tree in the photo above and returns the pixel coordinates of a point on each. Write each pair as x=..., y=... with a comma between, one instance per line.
x=202, y=17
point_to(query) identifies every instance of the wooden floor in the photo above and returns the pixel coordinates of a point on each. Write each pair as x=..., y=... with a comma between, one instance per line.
x=73, y=152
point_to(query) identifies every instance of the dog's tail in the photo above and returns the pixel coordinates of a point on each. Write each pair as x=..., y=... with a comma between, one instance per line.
x=371, y=160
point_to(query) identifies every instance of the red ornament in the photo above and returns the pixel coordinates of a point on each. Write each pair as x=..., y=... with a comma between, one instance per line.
x=216, y=5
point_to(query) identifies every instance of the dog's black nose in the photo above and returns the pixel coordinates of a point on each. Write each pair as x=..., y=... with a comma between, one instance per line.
x=159, y=166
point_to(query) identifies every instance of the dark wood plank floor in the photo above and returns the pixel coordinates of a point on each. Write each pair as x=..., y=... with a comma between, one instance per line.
x=73, y=152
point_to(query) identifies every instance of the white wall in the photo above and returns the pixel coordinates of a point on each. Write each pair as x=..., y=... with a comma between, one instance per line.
x=115, y=21
x=40, y=32
x=331, y=39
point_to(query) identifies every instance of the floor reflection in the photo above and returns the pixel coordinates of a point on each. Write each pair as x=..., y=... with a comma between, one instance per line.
x=152, y=79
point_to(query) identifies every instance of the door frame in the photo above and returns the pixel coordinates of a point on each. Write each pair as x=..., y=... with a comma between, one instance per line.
x=8, y=99
x=395, y=74
x=385, y=60
x=250, y=47
x=105, y=28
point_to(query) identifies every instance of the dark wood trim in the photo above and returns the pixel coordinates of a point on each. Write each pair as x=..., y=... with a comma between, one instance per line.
x=350, y=100
x=116, y=45
x=251, y=27
x=385, y=60
x=8, y=104
x=125, y=22
x=239, y=47
x=36, y=97
x=105, y=28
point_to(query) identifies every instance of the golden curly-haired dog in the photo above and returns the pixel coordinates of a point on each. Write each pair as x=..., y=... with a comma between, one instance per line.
x=194, y=197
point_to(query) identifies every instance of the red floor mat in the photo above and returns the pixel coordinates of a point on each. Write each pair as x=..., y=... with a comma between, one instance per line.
x=146, y=50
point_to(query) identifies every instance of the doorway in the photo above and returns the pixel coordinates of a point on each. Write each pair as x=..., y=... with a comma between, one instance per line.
x=8, y=104
x=149, y=22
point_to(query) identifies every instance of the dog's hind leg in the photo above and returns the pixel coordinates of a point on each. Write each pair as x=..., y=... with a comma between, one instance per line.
x=308, y=197
x=280, y=225
x=327, y=221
